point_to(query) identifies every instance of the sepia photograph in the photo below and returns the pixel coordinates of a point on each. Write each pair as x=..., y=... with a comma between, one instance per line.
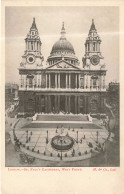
x=62, y=96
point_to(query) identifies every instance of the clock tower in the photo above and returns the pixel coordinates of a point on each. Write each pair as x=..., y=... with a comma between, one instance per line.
x=32, y=57
x=93, y=58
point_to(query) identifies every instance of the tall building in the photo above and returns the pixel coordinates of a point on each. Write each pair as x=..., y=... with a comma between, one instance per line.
x=62, y=85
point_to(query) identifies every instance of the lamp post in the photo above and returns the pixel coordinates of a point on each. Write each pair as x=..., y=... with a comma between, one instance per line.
x=77, y=136
x=61, y=149
x=97, y=133
x=27, y=136
x=47, y=136
x=15, y=138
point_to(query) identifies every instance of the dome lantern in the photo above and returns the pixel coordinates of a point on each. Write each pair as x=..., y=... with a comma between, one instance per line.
x=63, y=32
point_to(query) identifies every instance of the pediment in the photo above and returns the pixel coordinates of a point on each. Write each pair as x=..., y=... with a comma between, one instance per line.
x=63, y=65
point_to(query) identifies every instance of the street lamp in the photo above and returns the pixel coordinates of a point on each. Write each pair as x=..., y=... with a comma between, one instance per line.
x=27, y=137
x=15, y=138
x=61, y=149
x=77, y=136
x=47, y=136
x=97, y=133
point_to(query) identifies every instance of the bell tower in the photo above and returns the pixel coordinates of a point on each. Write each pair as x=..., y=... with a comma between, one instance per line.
x=93, y=58
x=32, y=56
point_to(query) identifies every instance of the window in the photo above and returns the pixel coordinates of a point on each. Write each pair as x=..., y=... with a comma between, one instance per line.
x=94, y=83
x=30, y=82
x=82, y=82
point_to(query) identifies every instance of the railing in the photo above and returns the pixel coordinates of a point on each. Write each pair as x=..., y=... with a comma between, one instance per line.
x=88, y=89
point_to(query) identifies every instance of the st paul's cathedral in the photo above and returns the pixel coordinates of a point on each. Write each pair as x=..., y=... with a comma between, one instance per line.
x=62, y=84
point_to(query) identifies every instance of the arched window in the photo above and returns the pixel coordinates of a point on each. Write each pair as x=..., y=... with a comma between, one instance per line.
x=94, y=83
x=30, y=82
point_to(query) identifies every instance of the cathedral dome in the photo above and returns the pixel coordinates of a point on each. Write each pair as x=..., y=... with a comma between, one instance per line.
x=62, y=45
x=62, y=50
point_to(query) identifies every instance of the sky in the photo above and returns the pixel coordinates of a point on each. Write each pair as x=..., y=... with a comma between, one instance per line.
x=18, y=21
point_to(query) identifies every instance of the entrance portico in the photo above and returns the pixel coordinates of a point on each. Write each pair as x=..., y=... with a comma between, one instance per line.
x=62, y=80
x=57, y=103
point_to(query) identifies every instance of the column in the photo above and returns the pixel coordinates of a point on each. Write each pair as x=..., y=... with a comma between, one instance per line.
x=49, y=81
x=66, y=81
x=88, y=81
x=55, y=80
x=66, y=108
x=36, y=80
x=78, y=104
x=39, y=47
x=84, y=81
x=24, y=81
x=85, y=102
x=40, y=104
x=75, y=104
x=46, y=104
x=69, y=80
x=59, y=80
x=27, y=83
x=75, y=80
x=40, y=80
x=98, y=46
x=79, y=80
x=20, y=80
x=46, y=80
x=55, y=103
x=49, y=104
x=33, y=82
x=68, y=104
x=103, y=81
x=98, y=83
x=28, y=46
x=58, y=103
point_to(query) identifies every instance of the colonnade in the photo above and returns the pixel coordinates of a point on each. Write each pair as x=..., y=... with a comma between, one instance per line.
x=90, y=47
x=63, y=80
x=33, y=46
x=68, y=80
x=60, y=103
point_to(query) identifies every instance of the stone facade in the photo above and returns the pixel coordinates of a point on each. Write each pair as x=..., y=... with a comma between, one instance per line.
x=62, y=85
